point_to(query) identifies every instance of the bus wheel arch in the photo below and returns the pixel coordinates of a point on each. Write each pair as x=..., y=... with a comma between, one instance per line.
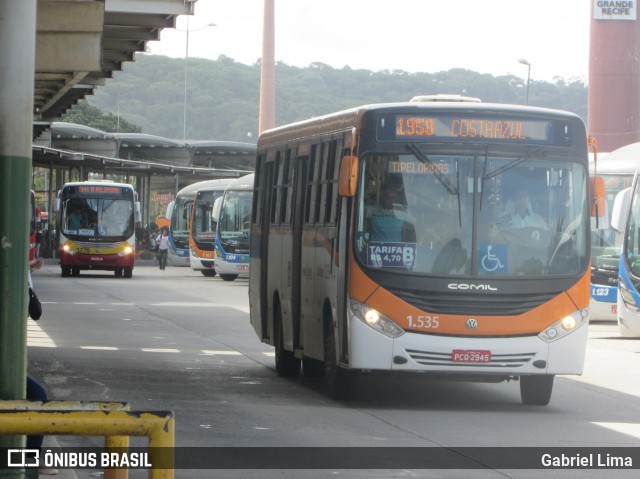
x=287, y=365
x=341, y=383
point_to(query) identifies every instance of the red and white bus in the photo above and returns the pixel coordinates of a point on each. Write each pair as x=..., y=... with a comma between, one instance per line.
x=97, y=227
x=397, y=238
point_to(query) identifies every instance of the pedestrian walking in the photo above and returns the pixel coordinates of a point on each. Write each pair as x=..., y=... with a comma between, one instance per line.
x=163, y=247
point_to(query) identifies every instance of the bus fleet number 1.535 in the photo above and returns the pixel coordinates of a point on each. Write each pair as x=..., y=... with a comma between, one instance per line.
x=423, y=322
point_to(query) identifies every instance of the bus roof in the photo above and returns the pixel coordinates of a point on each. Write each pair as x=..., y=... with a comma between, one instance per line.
x=244, y=183
x=97, y=183
x=623, y=161
x=343, y=120
x=191, y=189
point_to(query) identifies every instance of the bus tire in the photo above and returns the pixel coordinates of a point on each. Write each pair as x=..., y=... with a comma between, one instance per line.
x=65, y=271
x=75, y=271
x=536, y=390
x=287, y=365
x=128, y=272
x=228, y=277
x=209, y=273
x=312, y=368
x=341, y=383
x=118, y=272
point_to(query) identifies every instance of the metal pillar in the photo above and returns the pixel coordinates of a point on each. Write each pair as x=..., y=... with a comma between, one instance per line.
x=17, y=72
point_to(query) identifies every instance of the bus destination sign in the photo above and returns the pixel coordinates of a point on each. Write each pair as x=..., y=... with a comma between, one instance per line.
x=492, y=129
x=99, y=190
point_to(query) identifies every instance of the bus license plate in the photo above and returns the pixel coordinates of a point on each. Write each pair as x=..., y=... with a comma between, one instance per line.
x=470, y=356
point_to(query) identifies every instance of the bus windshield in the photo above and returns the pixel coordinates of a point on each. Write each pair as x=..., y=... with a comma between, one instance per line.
x=203, y=228
x=235, y=221
x=97, y=217
x=472, y=214
x=180, y=220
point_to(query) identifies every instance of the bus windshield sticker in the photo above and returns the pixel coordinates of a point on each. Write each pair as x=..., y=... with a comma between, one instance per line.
x=492, y=258
x=392, y=255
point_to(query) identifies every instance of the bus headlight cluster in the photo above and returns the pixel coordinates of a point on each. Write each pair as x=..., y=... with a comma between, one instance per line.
x=68, y=249
x=627, y=297
x=193, y=252
x=375, y=320
x=126, y=251
x=566, y=325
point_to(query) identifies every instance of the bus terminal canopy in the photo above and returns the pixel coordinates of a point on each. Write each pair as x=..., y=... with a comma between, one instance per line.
x=68, y=145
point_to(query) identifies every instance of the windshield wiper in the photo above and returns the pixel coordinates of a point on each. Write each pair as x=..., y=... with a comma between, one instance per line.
x=444, y=181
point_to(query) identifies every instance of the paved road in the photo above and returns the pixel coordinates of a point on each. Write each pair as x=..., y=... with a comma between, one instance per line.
x=175, y=340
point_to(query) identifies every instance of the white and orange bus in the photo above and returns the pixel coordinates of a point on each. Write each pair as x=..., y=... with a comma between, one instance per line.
x=202, y=227
x=398, y=237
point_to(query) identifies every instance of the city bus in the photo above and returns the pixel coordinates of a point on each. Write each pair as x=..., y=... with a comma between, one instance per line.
x=625, y=219
x=202, y=232
x=97, y=227
x=615, y=171
x=392, y=238
x=232, y=214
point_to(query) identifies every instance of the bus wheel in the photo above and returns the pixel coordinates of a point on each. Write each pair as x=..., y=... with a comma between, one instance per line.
x=209, y=273
x=75, y=271
x=118, y=272
x=128, y=272
x=536, y=390
x=312, y=368
x=228, y=277
x=341, y=383
x=66, y=271
x=287, y=365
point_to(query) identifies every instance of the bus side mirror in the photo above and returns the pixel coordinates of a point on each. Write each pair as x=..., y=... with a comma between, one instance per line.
x=348, y=176
x=137, y=214
x=621, y=210
x=215, y=212
x=597, y=196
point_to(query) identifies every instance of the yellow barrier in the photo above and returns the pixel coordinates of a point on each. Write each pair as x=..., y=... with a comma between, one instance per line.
x=158, y=426
x=110, y=442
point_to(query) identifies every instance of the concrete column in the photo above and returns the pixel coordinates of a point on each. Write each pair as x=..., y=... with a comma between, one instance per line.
x=17, y=71
x=267, y=72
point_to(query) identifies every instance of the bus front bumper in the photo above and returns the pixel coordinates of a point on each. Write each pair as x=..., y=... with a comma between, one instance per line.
x=464, y=356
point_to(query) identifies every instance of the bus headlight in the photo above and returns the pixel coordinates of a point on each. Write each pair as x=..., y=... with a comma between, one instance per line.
x=627, y=297
x=68, y=249
x=566, y=325
x=193, y=252
x=375, y=320
x=126, y=251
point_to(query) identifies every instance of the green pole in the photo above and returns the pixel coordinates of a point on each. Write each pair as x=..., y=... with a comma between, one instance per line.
x=17, y=72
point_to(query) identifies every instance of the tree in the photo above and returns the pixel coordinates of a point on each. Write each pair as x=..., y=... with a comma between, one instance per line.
x=85, y=114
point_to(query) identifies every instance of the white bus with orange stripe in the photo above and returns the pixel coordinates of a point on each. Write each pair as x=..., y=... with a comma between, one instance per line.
x=397, y=237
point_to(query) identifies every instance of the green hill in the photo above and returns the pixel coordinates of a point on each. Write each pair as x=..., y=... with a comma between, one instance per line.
x=223, y=95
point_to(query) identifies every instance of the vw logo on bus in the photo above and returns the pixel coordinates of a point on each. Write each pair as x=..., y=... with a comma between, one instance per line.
x=472, y=323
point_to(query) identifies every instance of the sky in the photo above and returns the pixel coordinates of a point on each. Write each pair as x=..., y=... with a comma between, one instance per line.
x=486, y=36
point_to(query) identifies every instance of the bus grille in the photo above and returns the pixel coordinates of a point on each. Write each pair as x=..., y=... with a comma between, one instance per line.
x=473, y=304
x=95, y=244
x=430, y=358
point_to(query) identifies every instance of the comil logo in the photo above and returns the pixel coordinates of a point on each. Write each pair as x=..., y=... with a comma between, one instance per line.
x=23, y=457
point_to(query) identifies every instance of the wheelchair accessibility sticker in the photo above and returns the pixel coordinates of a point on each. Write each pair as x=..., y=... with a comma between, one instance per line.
x=492, y=258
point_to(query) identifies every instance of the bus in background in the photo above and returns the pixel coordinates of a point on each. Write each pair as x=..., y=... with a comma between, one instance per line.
x=397, y=238
x=179, y=213
x=97, y=227
x=231, y=160
x=232, y=214
x=203, y=228
x=615, y=173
